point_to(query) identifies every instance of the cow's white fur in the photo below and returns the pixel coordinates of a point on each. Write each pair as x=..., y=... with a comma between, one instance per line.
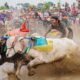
x=10, y=50
x=61, y=47
x=5, y=69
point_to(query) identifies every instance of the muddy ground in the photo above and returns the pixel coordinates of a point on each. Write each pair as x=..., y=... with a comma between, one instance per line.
x=66, y=69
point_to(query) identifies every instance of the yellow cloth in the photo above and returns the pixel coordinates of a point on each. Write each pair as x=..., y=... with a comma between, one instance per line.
x=54, y=33
x=45, y=48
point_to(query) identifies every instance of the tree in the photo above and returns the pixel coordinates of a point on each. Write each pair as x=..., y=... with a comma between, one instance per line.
x=26, y=5
x=40, y=5
x=50, y=3
x=6, y=5
x=47, y=6
x=3, y=8
x=20, y=4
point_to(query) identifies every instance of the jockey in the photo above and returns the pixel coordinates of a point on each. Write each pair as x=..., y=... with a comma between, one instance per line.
x=57, y=25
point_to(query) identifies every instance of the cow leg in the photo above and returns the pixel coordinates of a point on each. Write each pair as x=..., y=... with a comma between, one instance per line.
x=19, y=65
x=33, y=63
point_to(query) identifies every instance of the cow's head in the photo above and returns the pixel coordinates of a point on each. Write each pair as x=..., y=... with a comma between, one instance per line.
x=15, y=45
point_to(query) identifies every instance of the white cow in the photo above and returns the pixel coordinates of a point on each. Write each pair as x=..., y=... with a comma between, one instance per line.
x=62, y=47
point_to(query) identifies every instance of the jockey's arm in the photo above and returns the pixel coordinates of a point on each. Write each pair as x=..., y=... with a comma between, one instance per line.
x=66, y=31
x=47, y=32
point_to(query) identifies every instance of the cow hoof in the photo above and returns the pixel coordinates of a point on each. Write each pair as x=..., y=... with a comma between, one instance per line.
x=31, y=73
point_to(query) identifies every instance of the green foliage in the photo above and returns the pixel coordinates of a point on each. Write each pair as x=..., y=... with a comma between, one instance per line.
x=47, y=6
x=26, y=5
x=44, y=7
x=3, y=8
x=20, y=4
x=40, y=5
x=50, y=3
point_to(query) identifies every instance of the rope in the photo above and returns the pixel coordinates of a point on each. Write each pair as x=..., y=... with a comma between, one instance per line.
x=27, y=48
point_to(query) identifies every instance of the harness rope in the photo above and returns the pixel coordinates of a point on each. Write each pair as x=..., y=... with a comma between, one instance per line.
x=27, y=49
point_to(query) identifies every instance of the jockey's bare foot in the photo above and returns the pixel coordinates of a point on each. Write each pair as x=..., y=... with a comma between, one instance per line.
x=31, y=73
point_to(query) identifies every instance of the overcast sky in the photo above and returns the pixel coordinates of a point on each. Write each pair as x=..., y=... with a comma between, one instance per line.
x=14, y=2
